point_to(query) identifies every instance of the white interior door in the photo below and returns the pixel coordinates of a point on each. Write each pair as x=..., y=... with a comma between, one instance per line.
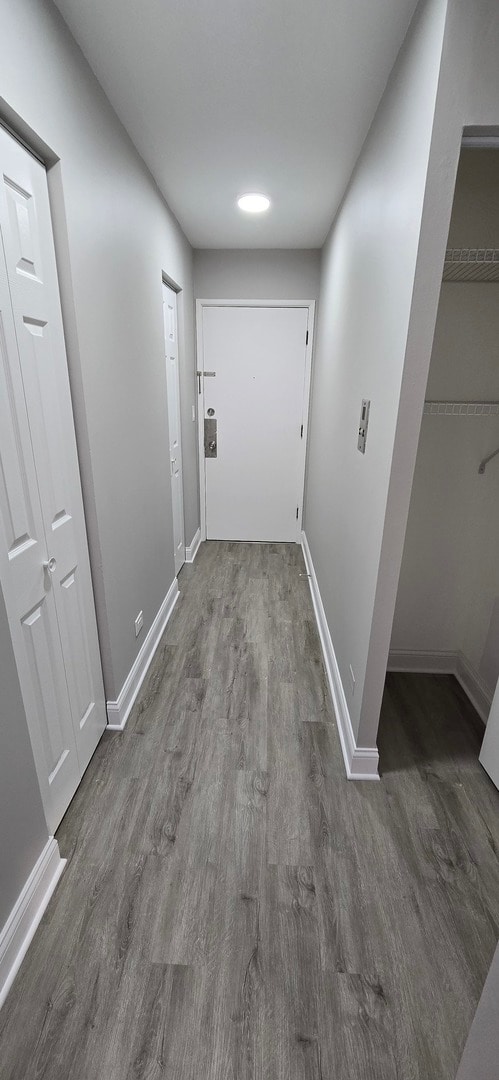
x=259, y=397
x=27, y=586
x=489, y=754
x=173, y=393
x=45, y=567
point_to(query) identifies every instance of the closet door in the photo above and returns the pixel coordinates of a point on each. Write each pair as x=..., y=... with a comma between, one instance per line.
x=26, y=583
x=40, y=363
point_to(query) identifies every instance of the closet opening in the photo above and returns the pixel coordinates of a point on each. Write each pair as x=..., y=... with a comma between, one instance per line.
x=443, y=665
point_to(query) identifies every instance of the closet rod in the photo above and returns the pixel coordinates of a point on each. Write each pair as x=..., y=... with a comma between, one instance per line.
x=481, y=467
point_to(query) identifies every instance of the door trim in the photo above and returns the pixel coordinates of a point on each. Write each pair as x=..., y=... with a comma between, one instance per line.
x=193, y=548
x=170, y=284
x=310, y=306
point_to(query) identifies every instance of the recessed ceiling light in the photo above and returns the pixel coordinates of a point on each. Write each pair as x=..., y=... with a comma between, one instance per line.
x=253, y=202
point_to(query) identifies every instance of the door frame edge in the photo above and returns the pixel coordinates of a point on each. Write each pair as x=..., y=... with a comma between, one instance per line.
x=177, y=289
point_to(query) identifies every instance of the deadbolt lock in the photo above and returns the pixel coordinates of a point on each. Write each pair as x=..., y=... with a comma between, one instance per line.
x=210, y=438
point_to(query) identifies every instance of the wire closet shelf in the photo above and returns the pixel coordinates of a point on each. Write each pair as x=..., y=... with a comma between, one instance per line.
x=465, y=408
x=471, y=264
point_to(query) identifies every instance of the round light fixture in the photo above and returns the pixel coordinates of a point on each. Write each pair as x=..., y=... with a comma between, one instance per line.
x=253, y=202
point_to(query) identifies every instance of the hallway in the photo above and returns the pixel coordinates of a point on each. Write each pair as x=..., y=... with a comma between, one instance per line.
x=233, y=908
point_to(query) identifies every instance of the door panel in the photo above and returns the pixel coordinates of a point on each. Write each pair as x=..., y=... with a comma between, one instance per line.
x=23, y=230
x=17, y=475
x=42, y=646
x=27, y=586
x=75, y=648
x=173, y=393
x=56, y=472
x=257, y=394
x=42, y=403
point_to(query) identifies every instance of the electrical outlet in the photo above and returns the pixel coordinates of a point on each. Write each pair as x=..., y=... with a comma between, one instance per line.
x=139, y=622
x=352, y=680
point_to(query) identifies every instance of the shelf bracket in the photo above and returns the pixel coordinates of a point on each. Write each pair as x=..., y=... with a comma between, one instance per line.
x=481, y=467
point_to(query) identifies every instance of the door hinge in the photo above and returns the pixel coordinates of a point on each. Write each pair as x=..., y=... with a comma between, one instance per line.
x=301, y=432
x=297, y=508
x=204, y=375
x=306, y=338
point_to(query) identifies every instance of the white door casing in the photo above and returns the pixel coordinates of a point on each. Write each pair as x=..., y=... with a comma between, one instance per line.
x=174, y=421
x=50, y=608
x=260, y=352
x=489, y=753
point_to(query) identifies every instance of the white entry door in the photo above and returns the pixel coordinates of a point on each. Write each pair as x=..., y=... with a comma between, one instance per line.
x=254, y=384
x=173, y=393
x=44, y=566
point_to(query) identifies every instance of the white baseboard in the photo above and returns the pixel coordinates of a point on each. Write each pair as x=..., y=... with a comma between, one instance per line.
x=361, y=762
x=474, y=687
x=119, y=711
x=193, y=548
x=426, y=663
x=25, y=916
x=445, y=663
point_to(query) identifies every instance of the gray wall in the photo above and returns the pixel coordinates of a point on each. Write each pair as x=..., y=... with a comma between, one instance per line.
x=23, y=832
x=115, y=237
x=468, y=95
x=257, y=275
x=382, y=268
x=368, y=268
x=448, y=595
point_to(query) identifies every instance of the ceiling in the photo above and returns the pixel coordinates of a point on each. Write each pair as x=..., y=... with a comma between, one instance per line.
x=226, y=96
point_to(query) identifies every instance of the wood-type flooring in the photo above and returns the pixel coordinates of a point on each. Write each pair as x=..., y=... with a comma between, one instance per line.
x=233, y=908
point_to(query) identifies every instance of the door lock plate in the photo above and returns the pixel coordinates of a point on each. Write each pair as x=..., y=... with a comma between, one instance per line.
x=363, y=424
x=210, y=438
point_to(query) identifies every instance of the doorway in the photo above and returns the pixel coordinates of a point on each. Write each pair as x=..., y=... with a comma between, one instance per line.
x=254, y=363
x=44, y=564
x=447, y=613
x=170, y=323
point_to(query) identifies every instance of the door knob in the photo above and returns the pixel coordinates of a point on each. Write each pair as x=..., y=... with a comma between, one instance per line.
x=50, y=565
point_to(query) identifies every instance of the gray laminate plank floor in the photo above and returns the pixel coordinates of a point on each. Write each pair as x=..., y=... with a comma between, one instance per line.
x=233, y=908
